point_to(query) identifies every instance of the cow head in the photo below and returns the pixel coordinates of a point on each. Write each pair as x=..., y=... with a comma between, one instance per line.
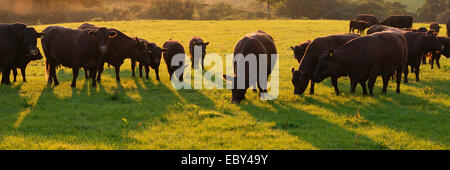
x=237, y=95
x=141, y=51
x=29, y=37
x=103, y=36
x=321, y=71
x=300, y=50
x=155, y=54
x=433, y=43
x=300, y=81
x=203, y=45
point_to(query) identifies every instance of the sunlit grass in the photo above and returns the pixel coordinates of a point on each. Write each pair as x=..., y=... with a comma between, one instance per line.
x=147, y=114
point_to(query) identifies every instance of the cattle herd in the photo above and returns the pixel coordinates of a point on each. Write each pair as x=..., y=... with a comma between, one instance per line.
x=388, y=50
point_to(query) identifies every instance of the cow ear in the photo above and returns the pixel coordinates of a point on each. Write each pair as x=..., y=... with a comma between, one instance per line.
x=40, y=35
x=92, y=33
x=112, y=34
x=207, y=43
x=164, y=50
x=292, y=48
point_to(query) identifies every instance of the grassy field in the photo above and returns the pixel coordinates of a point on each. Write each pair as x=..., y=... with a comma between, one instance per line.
x=147, y=114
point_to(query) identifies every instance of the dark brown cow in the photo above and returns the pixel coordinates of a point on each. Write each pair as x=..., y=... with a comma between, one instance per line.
x=303, y=75
x=420, y=43
x=371, y=19
x=155, y=54
x=121, y=48
x=436, y=56
x=299, y=50
x=256, y=43
x=17, y=46
x=22, y=65
x=197, y=42
x=366, y=58
x=361, y=26
x=174, y=48
x=398, y=21
x=381, y=28
x=75, y=49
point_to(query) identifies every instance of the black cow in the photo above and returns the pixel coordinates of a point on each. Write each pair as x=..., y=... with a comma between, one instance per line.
x=121, y=48
x=23, y=65
x=174, y=48
x=366, y=58
x=303, y=75
x=420, y=43
x=436, y=56
x=398, y=21
x=256, y=43
x=17, y=45
x=197, y=42
x=75, y=49
x=155, y=54
x=371, y=19
x=299, y=50
x=361, y=26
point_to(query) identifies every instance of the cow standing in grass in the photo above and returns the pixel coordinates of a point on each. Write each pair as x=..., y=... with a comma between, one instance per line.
x=22, y=65
x=75, y=49
x=366, y=58
x=370, y=19
x=155, y=53
x=302, y=76
x=17, y=46
x=361, y=26
x=398, y=21
x=174, y=48
x=197, y=42
x=257, y=43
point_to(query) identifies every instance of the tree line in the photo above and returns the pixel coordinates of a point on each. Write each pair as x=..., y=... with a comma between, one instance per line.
x=57, y=11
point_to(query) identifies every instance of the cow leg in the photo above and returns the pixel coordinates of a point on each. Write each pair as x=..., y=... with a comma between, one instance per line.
x=385, y=84
x=417, y=70
x=363, y=85
x=14, y=74
x=353, y=86
x=335, y=85
x=5, y=76
x=117, y=69
x=100, y=72
x=432, y=62
x=399, y=80
x=147, y=72
x=157, y=74
x=53, y=75
x=140, y=69
x=86, y=74
x=75, y=72
x=406, y=72
x=133, y=66
x=311, y=89
x=203, y=63
x=93, y=75
x=438, y=57
x=22, y=70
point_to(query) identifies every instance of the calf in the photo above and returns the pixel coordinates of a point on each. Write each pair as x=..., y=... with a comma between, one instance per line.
x=366, y=58
x=75, y=49
x=420, y=43
x=155, y=54
x=361, y=26
x=370, y=19
x=121, y=48
x=256, y=43
x=173, y=47
x=197, y=42
x=23, y=65
x=299, y=50
x=398, y=21
x=303, y=75
x=17, y=46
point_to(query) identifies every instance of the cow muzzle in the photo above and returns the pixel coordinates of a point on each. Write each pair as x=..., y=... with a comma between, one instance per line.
x=103, y=49
x=33, y=52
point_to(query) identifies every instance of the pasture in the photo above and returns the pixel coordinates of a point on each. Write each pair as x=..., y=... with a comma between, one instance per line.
x=147, y=114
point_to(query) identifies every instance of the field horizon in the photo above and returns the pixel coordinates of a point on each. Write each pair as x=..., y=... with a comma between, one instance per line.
x=149, y=114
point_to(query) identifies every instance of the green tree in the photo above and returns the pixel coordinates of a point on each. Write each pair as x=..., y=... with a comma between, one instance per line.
x=431, y=9
x=269, y=4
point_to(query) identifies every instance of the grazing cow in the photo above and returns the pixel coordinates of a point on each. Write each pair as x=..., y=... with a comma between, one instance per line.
x=197, y=42
x=371, y=19
x=366, y=58
x=361, y=26
x=173, y=47
x=303, y=75
x=24, y=63
x=381, y=28
x=256, y=43
x=398, y=21
x=121, y=48
x=420, y=43
x=436, y=56
x=435, y=26
x=17, y=45
x=75, y=49
x=299, y=50
x=155, y=54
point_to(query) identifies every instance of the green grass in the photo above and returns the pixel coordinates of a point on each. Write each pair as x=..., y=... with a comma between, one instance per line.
x=147, y=114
